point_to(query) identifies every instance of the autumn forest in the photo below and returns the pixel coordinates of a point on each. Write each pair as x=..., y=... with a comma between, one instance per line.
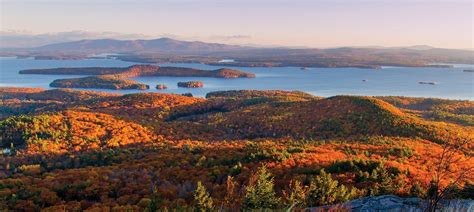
x=69, y=150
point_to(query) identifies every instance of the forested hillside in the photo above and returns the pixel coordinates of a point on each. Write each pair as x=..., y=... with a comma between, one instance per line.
x=80, y=150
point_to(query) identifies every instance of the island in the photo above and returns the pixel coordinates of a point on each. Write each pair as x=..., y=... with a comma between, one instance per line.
x=116, y=77
x=427, y=83
x=100, y=82
x=161, y=86
x=143, y=71
x=191, y=84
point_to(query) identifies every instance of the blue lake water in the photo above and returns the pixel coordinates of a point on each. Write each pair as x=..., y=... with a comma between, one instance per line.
x=452, y=83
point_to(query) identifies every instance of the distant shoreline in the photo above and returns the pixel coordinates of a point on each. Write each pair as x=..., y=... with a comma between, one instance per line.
x=242, y=64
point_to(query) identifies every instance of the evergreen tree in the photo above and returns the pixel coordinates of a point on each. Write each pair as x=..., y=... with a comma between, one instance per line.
x=155, y=202
x=324, y=190
x=203, y=201
x=384, y=182
x=260, y=194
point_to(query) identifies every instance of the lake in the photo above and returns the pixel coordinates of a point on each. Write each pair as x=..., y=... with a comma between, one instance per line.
x=452, y=83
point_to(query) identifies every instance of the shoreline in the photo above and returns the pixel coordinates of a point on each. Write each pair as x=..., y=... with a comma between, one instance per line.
x=244, y=64
x=152, y=89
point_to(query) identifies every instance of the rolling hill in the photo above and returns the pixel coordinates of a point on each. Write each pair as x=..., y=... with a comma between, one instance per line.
x=82, y=150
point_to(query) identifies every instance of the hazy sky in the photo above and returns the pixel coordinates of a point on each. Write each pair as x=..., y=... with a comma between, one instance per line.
x=315, y=23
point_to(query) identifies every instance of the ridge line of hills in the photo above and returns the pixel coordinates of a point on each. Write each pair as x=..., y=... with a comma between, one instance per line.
x=164, y=50
x=171, y=44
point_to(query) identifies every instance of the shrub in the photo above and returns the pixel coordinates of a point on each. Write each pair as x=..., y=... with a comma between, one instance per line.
x=259, y=194
x=324, y=190
x=296, y=194
x=404, y=152
x=261, y=152
x=417, y=191
x=353, y=166
x=384, y=181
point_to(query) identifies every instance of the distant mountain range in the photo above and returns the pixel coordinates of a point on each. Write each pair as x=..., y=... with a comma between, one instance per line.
x=169, y=45
x=85, y=42
x=164, y=50
x=130, y=46
x=415, y=47
x=25, y=39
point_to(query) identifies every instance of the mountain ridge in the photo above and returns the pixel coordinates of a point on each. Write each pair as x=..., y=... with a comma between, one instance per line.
x=168, y=50
x=175, y=45
x=116, y=45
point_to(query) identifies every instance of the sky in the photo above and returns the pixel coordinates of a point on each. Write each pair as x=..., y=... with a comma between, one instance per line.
x=298, y=23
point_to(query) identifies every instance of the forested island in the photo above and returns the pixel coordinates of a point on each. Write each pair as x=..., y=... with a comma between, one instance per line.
x=82, y=150
x=143, y=71
x=116, y=77
x=191, y=84
x=100, y=82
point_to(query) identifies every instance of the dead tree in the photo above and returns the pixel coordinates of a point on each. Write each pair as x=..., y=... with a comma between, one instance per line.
x=452, y=154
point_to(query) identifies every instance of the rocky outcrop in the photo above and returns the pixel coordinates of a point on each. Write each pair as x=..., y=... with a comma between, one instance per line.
x=191, y=84
x=396, y=204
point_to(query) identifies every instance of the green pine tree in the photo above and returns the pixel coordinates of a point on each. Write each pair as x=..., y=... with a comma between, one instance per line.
x=324, y=190
x=260, y=194
x=203, y=201
x=155, y=201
